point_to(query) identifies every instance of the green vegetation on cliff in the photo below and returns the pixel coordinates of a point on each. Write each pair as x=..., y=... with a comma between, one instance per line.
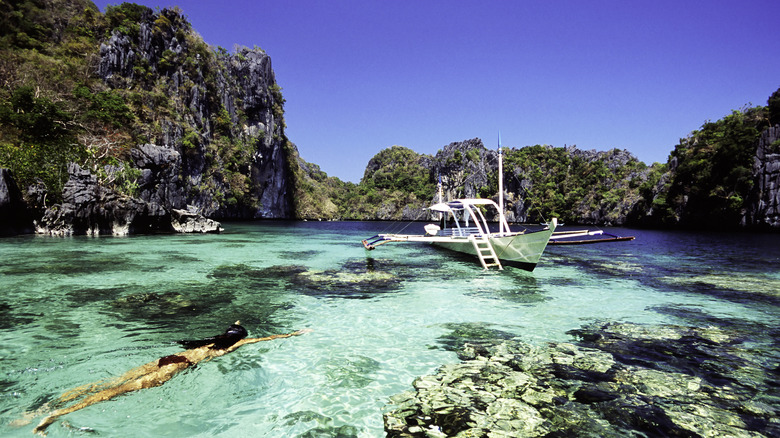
x=314, y=192
x=577, y=186
x=395, y=180
x=64, y=99
x=45, y=52
x=712, y=171
x=398, y=169
x=53, y=108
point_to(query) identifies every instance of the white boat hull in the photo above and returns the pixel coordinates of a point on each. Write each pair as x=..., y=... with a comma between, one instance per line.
x=521, y=251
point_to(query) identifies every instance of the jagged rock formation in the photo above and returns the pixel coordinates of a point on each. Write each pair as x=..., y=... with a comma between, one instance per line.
x=609, y=188
x=465, y=168
x=227, y=119
x=540, y=182
x=535, y=176
x=158, y=183
x=764, y=209
x=91, y=208
x=159, y=118
x=214, y=124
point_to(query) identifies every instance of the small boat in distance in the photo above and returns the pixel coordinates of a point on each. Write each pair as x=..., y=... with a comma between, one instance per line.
x=565, y=237
x=463, y=228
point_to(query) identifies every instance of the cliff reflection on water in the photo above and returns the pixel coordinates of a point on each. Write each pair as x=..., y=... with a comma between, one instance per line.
x=77, y=310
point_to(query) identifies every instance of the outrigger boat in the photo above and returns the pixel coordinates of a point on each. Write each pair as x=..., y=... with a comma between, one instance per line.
x=463, y=228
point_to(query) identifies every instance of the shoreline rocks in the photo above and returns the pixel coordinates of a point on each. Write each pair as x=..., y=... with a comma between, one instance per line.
x=89, y=208
x=619, y=380
x=184, y=221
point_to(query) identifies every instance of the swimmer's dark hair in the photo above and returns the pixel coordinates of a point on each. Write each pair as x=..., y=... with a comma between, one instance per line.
x=233, y=334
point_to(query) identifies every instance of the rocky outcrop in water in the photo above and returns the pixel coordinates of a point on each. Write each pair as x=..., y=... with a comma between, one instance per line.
x=94, y=209
x=620, y=380
x=214, y=122
x=183, y=221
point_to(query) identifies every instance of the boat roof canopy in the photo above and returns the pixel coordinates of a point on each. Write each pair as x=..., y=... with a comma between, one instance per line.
x=459, y=204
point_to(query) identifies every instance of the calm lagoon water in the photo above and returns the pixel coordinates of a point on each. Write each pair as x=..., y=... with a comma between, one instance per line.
x=78, y=310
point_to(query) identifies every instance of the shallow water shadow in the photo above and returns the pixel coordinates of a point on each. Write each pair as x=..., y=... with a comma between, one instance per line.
x=740, y=328
x=74, y=263
x=351, y=372
x=79, y=297
x=523, y=288
x=173, y=302
x=477, y=333
x=299, y=255
x=356, y=279
x=10, y=319
x=321, y=425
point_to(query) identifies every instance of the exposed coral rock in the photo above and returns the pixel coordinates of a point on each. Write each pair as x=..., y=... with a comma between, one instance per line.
x=622, y=380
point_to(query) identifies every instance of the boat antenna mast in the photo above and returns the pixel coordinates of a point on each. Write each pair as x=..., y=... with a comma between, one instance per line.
x=441, y=196
x=502, y=220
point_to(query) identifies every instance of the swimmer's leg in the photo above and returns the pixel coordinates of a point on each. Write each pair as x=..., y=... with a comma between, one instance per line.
x=156, y=376
x=101, y=385
x=106, y=394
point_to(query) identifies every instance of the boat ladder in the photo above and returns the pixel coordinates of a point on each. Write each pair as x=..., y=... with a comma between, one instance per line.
x=485, y=252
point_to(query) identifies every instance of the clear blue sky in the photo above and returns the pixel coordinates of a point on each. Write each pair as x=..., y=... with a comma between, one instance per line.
x=362, y=75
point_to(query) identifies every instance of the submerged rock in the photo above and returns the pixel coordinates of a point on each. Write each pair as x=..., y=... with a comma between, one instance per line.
x=352, y=280
x=338, y=284
x=619, y=380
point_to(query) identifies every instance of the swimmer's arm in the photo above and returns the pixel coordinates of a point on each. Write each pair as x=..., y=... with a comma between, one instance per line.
x=267, y=338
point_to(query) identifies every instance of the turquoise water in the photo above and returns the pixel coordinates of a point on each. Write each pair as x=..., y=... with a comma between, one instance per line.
x=78, y=310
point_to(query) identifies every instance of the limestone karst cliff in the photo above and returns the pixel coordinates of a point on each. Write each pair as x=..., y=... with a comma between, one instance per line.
x=136, y=99
x=763, y=211
x=222, y=113
x=540, y=182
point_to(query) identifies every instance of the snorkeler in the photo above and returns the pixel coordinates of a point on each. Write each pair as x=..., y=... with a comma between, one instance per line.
x=157, y=372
